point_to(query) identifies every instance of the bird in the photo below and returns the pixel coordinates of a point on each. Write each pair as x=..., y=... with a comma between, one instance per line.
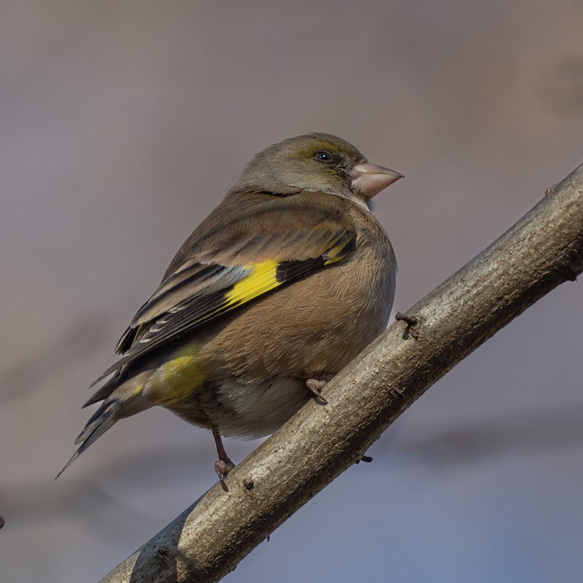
x=278, y=289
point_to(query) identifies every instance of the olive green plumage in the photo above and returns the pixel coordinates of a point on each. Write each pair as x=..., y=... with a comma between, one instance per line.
x=284, y=283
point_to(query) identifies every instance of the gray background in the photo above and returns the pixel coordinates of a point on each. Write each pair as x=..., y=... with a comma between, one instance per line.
x=122, y=123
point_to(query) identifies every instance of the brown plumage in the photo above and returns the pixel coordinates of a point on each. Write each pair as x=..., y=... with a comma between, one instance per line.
x=284, y=283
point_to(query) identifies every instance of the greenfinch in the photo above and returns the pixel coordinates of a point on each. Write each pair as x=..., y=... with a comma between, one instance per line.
x=280, y=287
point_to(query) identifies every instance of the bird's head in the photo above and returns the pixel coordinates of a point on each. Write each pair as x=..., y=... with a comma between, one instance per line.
x=315, y=162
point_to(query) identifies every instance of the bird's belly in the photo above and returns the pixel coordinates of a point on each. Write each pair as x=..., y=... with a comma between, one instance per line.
x=242, y=409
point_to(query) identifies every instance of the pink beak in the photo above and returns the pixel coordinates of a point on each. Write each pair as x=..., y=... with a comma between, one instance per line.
x=370, y=179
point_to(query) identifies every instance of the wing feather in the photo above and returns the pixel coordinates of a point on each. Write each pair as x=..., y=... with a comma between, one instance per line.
x=197, y=291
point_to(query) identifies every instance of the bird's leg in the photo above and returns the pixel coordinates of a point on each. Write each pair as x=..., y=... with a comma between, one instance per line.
x=316, y=385
x=224, y=464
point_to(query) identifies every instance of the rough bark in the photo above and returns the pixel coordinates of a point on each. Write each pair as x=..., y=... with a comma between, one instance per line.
x=543, y=250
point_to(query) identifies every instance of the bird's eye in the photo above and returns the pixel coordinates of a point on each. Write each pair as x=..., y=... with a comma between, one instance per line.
x=323, y=156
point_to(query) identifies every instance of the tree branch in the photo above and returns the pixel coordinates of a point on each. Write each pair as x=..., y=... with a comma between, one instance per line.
x=544, y=249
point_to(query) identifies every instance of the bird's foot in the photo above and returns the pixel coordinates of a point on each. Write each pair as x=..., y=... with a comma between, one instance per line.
x=223, y=467
x=316, y=385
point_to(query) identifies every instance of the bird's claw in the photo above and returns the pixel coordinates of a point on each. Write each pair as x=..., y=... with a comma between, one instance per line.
x=315, y=386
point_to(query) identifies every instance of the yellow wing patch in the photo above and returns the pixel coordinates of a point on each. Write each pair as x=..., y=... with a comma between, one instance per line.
x=340, y=248
x=263, y=278
x=267, y=275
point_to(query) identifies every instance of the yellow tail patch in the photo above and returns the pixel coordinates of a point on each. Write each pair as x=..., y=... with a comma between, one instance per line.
x=178, y=377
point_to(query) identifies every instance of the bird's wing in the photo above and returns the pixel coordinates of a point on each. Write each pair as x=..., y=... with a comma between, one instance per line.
x=226, y=264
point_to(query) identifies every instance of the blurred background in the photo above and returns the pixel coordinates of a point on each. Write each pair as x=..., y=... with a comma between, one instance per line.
x=123, y=123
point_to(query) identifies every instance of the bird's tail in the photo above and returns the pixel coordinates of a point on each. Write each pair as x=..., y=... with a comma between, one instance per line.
x=120, y=402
